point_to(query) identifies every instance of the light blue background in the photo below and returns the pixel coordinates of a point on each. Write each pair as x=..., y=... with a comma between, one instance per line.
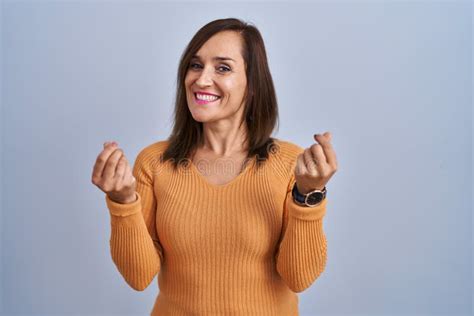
x=391, y=80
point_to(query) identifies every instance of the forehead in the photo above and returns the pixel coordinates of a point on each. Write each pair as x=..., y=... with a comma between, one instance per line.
x=226, y=43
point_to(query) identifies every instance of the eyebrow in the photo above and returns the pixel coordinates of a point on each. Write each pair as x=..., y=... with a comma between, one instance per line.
x=216, y=58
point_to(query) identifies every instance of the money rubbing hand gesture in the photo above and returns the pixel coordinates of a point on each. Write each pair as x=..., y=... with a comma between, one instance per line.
x=316, y=165
x=113, y=175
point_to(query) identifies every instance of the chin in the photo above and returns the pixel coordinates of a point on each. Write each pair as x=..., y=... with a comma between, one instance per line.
x=204, y=119
x=199, y=117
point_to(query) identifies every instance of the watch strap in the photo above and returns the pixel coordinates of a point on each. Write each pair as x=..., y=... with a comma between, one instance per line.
x=300, y=198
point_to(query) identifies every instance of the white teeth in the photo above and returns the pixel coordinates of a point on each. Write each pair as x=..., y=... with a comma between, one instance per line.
x=206, y=97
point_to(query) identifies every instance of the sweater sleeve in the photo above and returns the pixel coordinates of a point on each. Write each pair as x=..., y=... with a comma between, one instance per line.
x=134, y=245
x=301, y=256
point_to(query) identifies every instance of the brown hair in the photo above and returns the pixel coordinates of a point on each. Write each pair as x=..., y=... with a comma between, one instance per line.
x=261, y=109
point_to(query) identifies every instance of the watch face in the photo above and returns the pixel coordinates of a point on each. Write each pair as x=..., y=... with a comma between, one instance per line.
x=314, y=198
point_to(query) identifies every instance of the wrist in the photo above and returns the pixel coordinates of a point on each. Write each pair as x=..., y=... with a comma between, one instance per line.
x=312, y=198
x=127, y=200
x=305, y=190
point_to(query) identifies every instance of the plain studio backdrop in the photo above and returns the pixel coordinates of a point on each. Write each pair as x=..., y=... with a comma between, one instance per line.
x=390, y=79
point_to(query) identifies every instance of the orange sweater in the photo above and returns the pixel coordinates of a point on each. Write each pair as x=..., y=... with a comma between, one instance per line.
x=242, y=248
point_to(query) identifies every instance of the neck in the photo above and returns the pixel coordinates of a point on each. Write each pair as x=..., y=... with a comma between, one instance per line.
x=224, y=138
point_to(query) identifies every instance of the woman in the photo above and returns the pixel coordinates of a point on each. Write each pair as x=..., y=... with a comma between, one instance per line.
x=238, y=241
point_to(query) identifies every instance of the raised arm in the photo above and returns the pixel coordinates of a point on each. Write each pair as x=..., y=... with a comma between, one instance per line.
x=134, y=244
x=302, y=254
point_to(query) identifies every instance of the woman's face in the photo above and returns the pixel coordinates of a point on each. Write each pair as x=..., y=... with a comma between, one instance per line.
x=225, y=78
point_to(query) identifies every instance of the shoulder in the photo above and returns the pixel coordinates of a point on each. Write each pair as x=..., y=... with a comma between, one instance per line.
x=284, y=154
x=153, y=149
x=287, y=150
x=149, y=157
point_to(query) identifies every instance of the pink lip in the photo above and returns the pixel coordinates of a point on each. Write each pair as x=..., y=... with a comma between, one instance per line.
x=202, y=92
x=202, y=102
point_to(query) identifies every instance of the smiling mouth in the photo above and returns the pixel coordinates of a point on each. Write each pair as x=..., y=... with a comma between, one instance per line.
x=204, y=99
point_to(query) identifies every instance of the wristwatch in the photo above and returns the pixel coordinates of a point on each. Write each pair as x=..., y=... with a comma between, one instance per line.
x=311, y=199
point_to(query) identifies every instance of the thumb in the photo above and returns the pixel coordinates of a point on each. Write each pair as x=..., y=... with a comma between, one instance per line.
x=328, y=135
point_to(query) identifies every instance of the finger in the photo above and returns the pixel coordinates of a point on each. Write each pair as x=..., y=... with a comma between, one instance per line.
x=311, y=162
x=120, y=159
x=319, y=155
x=300, y=167
x=120, y=169
x=111, y=165
x=128, y=176
x=110, y=143
x=328, y=149
x=101, y=160
x=328, y=136
x=323, y=167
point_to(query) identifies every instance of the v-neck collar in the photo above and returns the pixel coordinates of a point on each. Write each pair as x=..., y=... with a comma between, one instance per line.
x=248, y=166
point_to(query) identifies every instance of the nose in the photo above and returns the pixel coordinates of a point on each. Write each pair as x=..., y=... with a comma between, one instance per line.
x=205, y=79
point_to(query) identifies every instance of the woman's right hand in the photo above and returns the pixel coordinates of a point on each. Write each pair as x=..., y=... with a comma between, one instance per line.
x=113, y=174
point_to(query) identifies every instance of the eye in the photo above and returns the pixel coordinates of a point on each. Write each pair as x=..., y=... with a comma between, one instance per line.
x=192, y=65
x=221, y=68
x=224, y=69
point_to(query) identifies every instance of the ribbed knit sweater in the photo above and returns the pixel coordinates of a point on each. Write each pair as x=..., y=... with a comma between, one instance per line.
x=242, y=248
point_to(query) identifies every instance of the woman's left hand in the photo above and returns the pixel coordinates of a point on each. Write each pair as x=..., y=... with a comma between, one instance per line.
x=316, y=165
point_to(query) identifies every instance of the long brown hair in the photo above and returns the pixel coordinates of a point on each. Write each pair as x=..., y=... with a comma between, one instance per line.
x=261, y=109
